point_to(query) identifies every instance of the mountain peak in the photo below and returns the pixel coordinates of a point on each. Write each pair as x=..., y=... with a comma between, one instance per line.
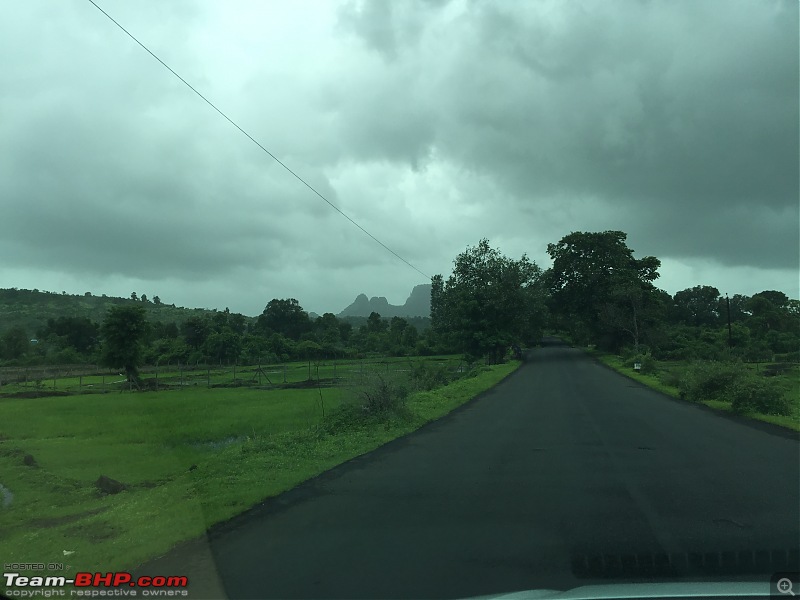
x=417, y=305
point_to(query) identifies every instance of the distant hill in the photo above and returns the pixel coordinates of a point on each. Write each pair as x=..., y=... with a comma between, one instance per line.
x=417, y=305
x=30, y=309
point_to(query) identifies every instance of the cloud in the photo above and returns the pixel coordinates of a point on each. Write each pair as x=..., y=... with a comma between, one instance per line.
x=684, y=115
x=431, y=123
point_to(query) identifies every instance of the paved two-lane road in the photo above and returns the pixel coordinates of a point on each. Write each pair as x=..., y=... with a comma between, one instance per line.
x=522, y=488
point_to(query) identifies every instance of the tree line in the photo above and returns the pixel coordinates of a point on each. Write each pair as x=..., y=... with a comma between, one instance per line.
x=596, y=292
x=284, y=331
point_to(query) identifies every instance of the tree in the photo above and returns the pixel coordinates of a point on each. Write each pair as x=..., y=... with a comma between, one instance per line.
x=80, y=333
x=489, y=303
x=124, y=330
x=195, y=331
x=286, y=317
x=326, y=329
x=134, y=296
x=280, y=346
x=770, y=311
x=237, y=323
x=375, y=324
x=15, y=343
x=144, y=298
x=224, y=345
x=156, y=300
x=598, y=288
x=698, y=306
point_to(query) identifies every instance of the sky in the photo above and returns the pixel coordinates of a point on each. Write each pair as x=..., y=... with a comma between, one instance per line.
x=430, y=123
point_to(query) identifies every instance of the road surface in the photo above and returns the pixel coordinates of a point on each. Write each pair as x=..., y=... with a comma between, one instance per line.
x=563, y=475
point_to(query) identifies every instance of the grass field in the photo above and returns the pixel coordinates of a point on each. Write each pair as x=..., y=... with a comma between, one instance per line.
x=789, y=383
x=190, y=458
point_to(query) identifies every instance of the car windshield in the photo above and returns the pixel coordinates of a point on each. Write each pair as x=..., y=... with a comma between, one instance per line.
x=419, y=299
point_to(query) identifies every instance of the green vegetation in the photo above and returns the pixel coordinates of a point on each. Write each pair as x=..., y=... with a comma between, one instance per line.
x=193, y=458
x=206, y=438
x=739, y=354
x=734, y=387
x=488, y=304
x=123, y=331
x=282, y=333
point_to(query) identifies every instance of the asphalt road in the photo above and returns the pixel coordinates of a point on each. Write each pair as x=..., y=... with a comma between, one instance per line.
x=565, y=474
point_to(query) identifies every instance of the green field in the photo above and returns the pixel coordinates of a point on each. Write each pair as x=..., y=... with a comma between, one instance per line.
x=190, y=457
x=668, y=372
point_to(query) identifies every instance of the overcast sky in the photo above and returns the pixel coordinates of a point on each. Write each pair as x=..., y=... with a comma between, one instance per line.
x=430, y=123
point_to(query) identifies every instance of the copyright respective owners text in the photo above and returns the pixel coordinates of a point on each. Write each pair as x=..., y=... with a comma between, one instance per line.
x=58, y=580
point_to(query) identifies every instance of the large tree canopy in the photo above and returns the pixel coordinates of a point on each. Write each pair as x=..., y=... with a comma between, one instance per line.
x=698, y=305
x=598, y=288
x=489, y=303
x=286, y=317
x=124, y=330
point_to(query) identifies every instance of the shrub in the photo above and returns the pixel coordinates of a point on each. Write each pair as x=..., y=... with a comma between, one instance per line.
x=709, y=380
x=383, y=396
x=755, y=394
x=788, y=356
x=670, y=378
x=426, y=376
x=649, y=364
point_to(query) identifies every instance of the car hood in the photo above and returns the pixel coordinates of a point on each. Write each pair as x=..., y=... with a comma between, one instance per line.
x=684, y=589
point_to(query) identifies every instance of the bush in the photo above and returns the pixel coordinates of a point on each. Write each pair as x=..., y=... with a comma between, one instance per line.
x=649, y=364
x=426, y=376
x=710, y=380
x=379, y=400
x=754, y=394
x=788, y=356
x=670, y=378
x=383, y=396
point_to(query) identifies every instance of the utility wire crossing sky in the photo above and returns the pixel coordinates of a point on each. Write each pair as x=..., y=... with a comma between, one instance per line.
x=432, y=123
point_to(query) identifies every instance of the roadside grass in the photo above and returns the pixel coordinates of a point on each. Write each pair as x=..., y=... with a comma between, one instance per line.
x=190, y=458
x=671, y=371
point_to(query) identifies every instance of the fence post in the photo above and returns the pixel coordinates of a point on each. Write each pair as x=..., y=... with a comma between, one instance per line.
x=103, y=384
x=208, y=376
x=180, y=366
x=80, y=382
x=156, y=377
x=284, y=372
x=54, y=380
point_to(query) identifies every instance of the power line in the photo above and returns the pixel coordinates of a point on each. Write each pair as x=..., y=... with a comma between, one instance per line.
x=275, y=158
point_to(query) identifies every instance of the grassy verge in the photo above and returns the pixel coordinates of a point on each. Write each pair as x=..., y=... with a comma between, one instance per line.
x=190, y=459
x=789, y=382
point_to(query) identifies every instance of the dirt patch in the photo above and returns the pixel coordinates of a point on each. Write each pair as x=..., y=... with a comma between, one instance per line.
x=94, y=532
x=35, y=394
x=56, y=521
x=309, y=383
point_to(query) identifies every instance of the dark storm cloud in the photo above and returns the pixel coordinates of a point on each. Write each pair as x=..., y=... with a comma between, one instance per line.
x=432, y=123
x=683, y=113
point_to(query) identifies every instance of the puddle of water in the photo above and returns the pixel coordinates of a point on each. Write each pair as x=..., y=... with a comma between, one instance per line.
x=8, y=497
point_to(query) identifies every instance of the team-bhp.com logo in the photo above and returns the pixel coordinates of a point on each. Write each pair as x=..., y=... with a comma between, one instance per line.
x=95, y=585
